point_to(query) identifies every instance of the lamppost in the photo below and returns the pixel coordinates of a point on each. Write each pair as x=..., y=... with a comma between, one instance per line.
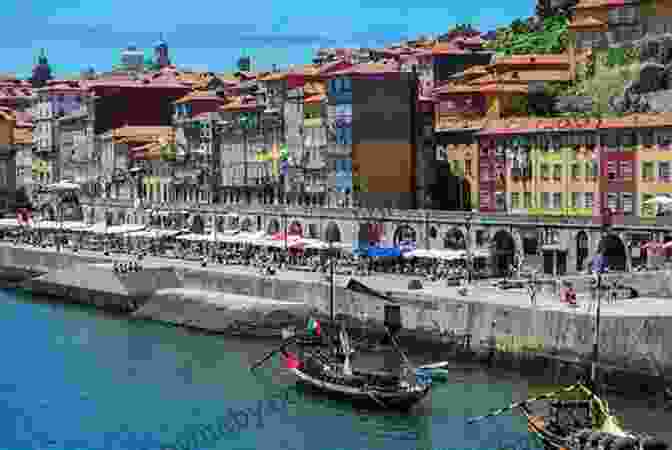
x=331, y=238
x=467, y=226
x=599, y=267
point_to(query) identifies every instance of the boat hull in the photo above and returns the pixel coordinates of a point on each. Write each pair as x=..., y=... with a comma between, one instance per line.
x=400, y=400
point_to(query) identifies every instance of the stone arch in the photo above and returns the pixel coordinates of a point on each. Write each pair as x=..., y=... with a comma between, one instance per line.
x=332, y=232
x=48, y=212
x=246, y=224
x=404, y=233
x=295, y=228
x=197, y=224
x=273, y=226
x=455, y=239
x=370, y=233
x=503, y=252
x=582, y=250
x=313, y=231
x=220, y=223
x=121, y=217
x=612, y=248
x=109, y=218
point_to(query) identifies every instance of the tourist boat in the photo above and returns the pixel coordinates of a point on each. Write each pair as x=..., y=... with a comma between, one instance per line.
x=576, y=424
x=331, y=372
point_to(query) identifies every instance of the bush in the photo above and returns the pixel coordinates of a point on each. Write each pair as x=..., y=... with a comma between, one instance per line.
x=518, y=39
x=606, y=83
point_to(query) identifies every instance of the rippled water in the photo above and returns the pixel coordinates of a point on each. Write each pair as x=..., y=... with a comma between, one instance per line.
x=75, y=378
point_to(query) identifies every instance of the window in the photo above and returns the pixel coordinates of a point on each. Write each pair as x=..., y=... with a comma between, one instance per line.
x=557, y=172
x=467, y=167
x=628, y=205
x=664, y=171
x=647, y=138
x=544, y=170
x=648, y=209
x=527, y=199
x=557, y=200
x=629, y=139
x=648, y=171
x=612, y=200
x=546, y=200
x=576, y=171
x=576, y=199
x=626, y=170
x=594, y=171
x=588, y=199
x=515, y=200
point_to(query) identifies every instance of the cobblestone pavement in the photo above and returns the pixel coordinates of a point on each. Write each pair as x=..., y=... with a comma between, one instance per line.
x=481, y=291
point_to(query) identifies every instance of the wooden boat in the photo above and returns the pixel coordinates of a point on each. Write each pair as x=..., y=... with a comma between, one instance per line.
x=331, y=371
x=381, y=389
x=583, y=424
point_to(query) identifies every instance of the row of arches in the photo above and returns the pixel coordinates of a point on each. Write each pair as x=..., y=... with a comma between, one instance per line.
x=503, y=246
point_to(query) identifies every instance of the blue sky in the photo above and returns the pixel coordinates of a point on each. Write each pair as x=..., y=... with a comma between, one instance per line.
x=212, y=34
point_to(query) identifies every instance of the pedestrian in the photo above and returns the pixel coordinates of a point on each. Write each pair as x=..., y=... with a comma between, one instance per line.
x=532, y=290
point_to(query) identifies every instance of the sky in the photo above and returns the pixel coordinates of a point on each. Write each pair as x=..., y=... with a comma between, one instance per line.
x=213, y=34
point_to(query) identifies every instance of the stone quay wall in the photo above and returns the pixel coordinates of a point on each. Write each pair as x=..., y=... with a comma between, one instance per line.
x=626, y=341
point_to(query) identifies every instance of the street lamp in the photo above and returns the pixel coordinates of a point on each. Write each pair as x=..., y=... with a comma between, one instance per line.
x=332, y=235
x=467, y=226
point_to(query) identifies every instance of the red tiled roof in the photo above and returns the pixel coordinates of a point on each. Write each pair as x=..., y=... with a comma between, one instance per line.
x=524, y=60
x=200, y=95
x=315, y=98
x=589, y=22
x=447, y=48
x=7, y=114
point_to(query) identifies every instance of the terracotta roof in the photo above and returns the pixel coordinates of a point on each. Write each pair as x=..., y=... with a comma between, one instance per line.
x=368, y=69
x=200, y=95
x=588, y=22
x=314, y=88
x=315, y=98
x=447, y=48
x=583, y=4
x=525, y=60
x=274, y=76
x=140, y=133
x=240, y=103
x=452, y=123
x=23, y=135
x=498, y=87
x=7, y=114
x=524, y=76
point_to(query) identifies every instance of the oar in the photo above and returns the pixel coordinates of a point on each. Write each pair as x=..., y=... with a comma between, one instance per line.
x=515, y=405
x=271, y=354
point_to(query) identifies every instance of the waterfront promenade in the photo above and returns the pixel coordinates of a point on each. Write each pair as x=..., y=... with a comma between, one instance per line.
x=480, y=290
x=633, y=332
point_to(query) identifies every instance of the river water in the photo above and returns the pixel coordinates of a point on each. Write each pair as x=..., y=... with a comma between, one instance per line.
x=77, y=378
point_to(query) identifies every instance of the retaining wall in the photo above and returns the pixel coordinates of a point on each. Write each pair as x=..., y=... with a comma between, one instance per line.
x=625, y=341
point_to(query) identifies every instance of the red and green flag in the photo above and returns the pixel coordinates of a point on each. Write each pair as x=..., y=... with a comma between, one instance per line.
x=314, y=326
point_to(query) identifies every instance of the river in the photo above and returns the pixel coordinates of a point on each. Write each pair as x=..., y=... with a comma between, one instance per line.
x=77, y=378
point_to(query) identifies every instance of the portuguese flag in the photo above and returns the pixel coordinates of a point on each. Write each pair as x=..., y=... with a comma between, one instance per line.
x=314, y=326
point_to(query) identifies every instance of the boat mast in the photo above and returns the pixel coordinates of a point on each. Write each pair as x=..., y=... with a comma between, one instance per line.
x=332, y=288
x=596, y=336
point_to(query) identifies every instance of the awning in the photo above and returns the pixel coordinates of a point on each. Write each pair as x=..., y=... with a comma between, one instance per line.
x=9, y=223
x=155, y=233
